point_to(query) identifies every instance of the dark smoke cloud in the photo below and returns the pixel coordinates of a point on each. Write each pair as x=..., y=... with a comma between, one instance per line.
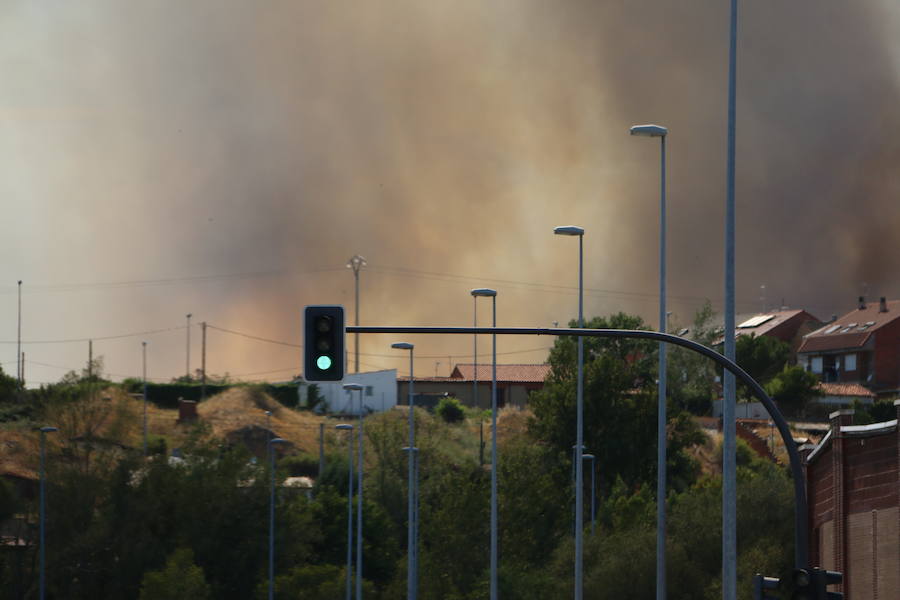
x=153, y=140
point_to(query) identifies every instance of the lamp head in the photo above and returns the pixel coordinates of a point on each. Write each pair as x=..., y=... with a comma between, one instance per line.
x=344, y=427
x=279, y=440
x=649, y=130
x=402, y=346
x=568, y=230
x=353, y=386
x=48, y=429
x=487, y=292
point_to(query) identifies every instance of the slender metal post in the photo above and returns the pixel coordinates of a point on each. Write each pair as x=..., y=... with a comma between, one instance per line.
x=494, y=464
x=412, y=493
x=579, y=467
x=416, y=529
x=356, y=263
x=187, y=355
x=144, y=361
x=729, y=466
x=203, y=362
x=475, y=351
x=359, y=503
x=43, y=516
x=272, y=515
x=19, y=342
x=661, y=411
x=349, y=428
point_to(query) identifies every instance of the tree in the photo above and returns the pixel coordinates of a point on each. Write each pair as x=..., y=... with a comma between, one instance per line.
x=691, y=376
x=181, y=579
x=619, y=403
x=793, y=388
x=762, y=356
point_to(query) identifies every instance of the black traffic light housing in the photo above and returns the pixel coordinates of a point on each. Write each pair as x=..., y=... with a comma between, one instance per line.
x=763, y=587
x=822, y=579
x=323, y=343
x=803, y=585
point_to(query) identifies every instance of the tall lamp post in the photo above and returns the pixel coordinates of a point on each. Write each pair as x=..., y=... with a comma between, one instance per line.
x=43, y=516
x=356, y=263
x=729, y=461
x=144, y=361
x=661, y=133
x=412, y=581
x=579, y=467
x=351, y=387
x=590, y=457
x=271, y=445
x=413, y=483
x=492, y=294
x=349, y=428
x=187, y=356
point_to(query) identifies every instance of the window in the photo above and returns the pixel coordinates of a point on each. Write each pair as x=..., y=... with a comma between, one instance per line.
x=369, y=390
x=816, y=364
x=850, y=362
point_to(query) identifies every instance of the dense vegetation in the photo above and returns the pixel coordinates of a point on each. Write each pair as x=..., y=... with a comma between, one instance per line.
x=122, y=526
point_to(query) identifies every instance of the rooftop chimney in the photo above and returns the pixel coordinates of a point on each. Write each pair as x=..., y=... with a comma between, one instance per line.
x=882, y=304
x=862, y=303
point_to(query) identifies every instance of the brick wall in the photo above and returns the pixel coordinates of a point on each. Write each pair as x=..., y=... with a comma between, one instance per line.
x=887, y=355
x=853, y=488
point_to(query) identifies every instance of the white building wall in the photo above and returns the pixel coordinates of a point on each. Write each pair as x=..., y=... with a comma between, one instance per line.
x=379, y=393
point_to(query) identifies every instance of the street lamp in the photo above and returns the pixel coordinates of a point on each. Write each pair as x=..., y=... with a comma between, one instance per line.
x=43, y=516
x=187, y=358
x=413, y=576
x=492, y=294
x=572, y=230
x=349, y=428
x=271, y=445
x=351, y=387
x=661, y=133
x=356, y=263
x=413, y=482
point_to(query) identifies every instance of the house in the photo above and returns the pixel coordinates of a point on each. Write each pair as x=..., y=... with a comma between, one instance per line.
x=853, y=495
x=786, y=325
x=862, y=346
x=379, y=393
x=514, y=383
x=844, y=394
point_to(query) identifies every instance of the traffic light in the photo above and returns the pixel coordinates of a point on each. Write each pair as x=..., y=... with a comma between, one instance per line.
x=762, y=585
x=822, y=579
x=803, y=585
x=323, y=343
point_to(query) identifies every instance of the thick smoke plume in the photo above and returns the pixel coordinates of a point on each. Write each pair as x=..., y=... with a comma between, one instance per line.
x=155, y=140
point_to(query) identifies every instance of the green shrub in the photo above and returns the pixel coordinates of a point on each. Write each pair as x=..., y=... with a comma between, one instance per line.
x=450, y=410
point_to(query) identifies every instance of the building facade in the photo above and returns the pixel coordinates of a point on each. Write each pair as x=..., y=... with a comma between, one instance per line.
x=853, y=492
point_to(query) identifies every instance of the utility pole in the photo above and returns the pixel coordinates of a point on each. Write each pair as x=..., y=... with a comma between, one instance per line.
x=19, y=363
x=187, y=359
x=203, y=363
x=90, y=368
x=356, y=263
x=321, y=450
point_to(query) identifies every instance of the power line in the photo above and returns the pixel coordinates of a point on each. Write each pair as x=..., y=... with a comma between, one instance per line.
x=104, y=285
x=99, y=338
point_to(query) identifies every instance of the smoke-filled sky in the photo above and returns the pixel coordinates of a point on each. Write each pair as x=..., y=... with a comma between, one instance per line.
x=225, y=158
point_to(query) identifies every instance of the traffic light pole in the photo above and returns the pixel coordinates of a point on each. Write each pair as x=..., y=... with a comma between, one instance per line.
x=801, y=533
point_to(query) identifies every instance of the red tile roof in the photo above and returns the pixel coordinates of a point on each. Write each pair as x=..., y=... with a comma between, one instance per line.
x=776, y=319
x=505, y=373
x=851, y=330
x=845, y=389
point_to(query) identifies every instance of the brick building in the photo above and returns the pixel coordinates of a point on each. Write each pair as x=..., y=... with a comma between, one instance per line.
x=514, y=383
x=862, y=346
x=853, y=491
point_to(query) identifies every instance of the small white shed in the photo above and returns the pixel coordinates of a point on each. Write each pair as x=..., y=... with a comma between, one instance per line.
x=379, y=393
